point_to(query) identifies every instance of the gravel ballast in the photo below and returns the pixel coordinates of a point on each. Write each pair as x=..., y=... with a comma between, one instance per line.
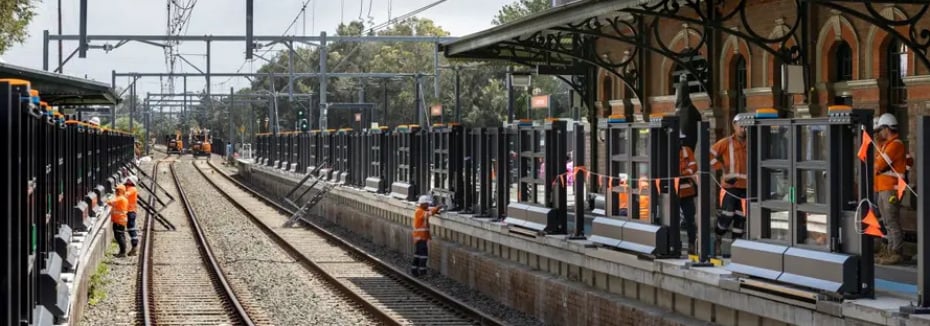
x=283, y=289
x=446, y=285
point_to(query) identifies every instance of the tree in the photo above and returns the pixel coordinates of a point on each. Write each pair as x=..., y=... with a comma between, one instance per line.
x=15, y=16
x=520, y=9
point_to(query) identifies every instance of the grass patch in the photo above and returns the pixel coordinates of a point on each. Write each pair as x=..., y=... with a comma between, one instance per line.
x=95, y=290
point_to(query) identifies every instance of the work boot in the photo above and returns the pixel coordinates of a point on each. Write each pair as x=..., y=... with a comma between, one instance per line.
x=120, y=255
x=891, y=259
x=132, y=252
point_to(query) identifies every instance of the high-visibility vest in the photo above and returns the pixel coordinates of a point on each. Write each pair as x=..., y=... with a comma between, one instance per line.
x=421, y=223
x=890, y=162
x=729, y=154
x=119, y=207
x=623, y=196
x=132, y=195
x=688, y=167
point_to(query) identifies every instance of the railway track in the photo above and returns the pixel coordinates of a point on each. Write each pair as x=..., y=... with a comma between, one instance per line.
x=383, y=290
x=182, y=283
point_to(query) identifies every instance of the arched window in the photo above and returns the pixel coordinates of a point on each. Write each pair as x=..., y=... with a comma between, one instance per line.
x=842, y=59
x=699, y=64
x=738, y=82
x=896, y=70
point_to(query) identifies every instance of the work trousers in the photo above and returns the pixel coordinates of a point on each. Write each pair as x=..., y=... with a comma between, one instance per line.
x=687, y=218
x=731, y=216
x=890, y=208
x=118, y=231
x=420, y=255
x=133, y=232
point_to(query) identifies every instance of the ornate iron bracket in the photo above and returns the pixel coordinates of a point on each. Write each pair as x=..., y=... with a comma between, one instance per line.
x=918, y=38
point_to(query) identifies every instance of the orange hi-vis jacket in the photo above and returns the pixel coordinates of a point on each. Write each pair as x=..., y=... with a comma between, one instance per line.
x=119, y=207
x=687, y=168
x=624, y=195
x=421, y=223
x=132, y=195
x=729, y=154
x=886, y=175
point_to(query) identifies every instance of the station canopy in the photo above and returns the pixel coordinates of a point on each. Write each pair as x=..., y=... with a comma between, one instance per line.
x=62, y=90
x=546, y=40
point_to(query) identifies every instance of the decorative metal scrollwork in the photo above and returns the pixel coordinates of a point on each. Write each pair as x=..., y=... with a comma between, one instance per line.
x=917, y=38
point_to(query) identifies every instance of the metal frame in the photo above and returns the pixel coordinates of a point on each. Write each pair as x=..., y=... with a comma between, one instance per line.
x=923, y=226
x=536, y=145
x=378, y=155
x=447, y=184
x=644, y=152
x=407, y=154
x=840, y=266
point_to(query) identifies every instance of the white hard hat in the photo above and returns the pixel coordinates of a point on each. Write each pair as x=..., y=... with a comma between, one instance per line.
x=875, y=123
x=95, y=121
x=424, y=199
x=131, y=180
x=739, y=116
x=887, y=120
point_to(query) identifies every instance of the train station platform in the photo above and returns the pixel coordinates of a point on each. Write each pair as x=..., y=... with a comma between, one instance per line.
x=573, y=282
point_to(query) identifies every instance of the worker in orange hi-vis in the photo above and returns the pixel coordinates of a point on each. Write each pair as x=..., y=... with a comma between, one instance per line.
x=132, y=196
x=890, y=166
x=687, y=192
x=729, y=155
x=421, y=234
x=119, y=207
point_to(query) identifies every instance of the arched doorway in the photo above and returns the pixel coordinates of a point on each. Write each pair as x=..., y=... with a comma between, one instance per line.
x=895, y=70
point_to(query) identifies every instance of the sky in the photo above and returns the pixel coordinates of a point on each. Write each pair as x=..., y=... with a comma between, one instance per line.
x=215, y=17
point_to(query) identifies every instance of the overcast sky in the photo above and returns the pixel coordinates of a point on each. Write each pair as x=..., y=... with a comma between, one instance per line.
x=216, y=17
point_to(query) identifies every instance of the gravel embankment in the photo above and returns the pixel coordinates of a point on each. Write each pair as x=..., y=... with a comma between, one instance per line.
x=112, y=297
x=278, y=284
x=446, y=285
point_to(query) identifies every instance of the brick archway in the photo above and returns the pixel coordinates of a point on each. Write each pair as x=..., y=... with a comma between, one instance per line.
x=836, y=29
x=878, y=38
x=731, y=48
x=679, y=42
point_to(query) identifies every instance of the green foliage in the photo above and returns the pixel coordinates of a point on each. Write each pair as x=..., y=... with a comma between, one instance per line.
x=96, y=291
x=520, y=9
x=15, y=16
x=122, y=124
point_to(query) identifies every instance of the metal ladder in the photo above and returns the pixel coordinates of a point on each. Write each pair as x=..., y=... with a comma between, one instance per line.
x=315, y=198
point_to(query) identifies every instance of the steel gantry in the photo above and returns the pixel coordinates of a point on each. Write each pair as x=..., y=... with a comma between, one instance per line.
x=322, y=41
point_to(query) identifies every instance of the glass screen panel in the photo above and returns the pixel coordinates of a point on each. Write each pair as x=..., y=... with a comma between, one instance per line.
x=812, y=229
x=813, y=143
x=776, y=185
x=779, y=142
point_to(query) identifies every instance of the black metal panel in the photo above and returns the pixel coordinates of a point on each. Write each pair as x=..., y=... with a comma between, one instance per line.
x=378, y=157
x=408, y=152
x=645, y=218
x=541, y=191
x=327, y=150
x=802, y=198
x=446, y=179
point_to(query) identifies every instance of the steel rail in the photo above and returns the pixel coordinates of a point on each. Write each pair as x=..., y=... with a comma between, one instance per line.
x=397, y=274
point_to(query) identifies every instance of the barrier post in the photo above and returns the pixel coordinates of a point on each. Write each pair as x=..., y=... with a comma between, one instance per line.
x=923, y=226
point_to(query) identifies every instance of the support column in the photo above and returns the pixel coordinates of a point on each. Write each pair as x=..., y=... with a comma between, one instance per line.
x=132, y=104
x=923, y=226
x=510, y=112
x=209, y=99
x=458, y=100
x=232, y=104
x=323, y=104
x=579, y=182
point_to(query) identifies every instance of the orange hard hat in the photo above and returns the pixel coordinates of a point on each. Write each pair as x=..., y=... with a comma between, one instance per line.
x=120, y=188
